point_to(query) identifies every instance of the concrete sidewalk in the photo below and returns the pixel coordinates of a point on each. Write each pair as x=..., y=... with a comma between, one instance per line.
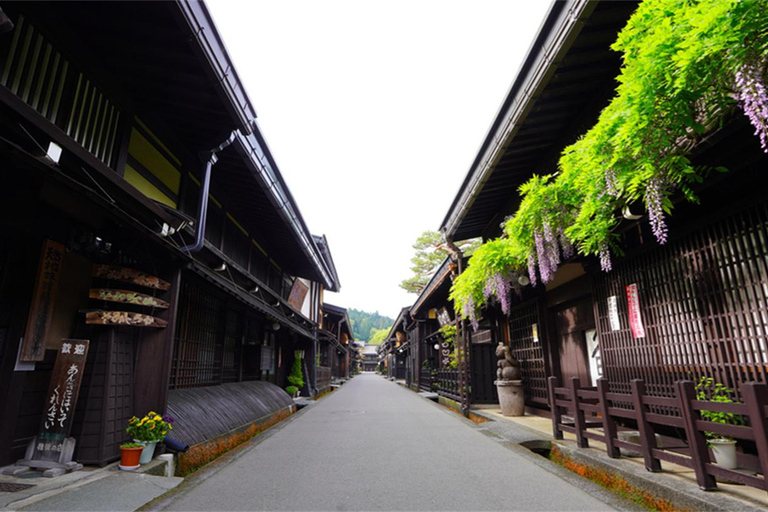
x=92, y=488
x=676, y=484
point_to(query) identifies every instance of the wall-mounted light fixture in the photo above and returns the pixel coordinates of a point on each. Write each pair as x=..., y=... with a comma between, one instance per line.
x=436, y=346
x=523, y=280
x=627, y=213
x=54, y=150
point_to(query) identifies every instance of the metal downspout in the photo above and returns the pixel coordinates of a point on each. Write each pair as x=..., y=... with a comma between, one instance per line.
x=202, y=207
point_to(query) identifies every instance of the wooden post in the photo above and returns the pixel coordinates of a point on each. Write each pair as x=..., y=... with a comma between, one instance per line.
x=609, y=425
x=556, y=416
x=647, y=434
x=153, y=358
x=578, y=414
x=696, y=441
x=756, y=397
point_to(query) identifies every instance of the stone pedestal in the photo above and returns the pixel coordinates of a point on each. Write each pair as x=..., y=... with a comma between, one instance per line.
x=511, y=397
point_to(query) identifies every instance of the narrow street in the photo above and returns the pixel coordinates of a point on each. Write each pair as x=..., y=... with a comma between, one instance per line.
x=373, y=445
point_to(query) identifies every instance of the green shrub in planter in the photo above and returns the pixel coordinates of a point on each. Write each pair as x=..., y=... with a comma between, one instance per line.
x=291, y=390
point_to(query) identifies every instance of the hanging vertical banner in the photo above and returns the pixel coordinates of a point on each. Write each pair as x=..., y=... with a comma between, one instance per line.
x=41, y=309
x=635, y=319
x=613, y=312
x=61, y=399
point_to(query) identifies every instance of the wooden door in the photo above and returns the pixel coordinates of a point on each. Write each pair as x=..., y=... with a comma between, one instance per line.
x=571, y=323
x=482, y=362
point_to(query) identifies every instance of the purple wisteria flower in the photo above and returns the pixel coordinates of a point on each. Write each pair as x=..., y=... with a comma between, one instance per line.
x=553, y=250
x=468, y=311
x=754, y=101
x=502, y=291
x=605, y=258
x=654, y=195
x=565, y=244
x=543, y=258
x=610, y=182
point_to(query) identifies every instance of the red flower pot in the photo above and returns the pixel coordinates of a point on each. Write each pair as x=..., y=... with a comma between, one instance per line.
x=129, y=458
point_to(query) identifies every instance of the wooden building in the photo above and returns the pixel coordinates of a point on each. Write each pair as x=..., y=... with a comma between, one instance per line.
x=336, y=346
x=395, y=350
x=128, y=142
x=370, y=355
x=702, y=296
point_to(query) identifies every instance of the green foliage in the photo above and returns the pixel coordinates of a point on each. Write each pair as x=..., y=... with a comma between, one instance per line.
x=676, y=85
x=448, y=333
x=430, y=254
x=291, y=390
x=363, y=323
x=709, y=390
x=296, y=377
x=131, y=445
x=378, y=335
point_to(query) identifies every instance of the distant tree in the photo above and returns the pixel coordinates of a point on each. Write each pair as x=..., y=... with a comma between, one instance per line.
x=362, y=323
x=378, y=336
x=430, y=253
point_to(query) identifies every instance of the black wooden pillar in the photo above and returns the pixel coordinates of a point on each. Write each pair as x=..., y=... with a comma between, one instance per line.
x=152, y=373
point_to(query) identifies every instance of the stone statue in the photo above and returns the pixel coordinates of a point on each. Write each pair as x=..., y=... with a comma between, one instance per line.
x=509, y=385
x=509, y=367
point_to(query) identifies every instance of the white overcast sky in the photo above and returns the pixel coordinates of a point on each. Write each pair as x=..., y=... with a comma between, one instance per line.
x=374, y=112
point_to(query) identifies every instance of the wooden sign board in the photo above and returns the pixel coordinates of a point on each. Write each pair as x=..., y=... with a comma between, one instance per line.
x=127, y=297
x=129, y=275
x=298, y=294
x=123, y=318
x=39, y=319
x=61, y=399
x=635, y=317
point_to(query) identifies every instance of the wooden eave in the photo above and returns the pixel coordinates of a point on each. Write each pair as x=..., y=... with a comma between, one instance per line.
x=566, y=80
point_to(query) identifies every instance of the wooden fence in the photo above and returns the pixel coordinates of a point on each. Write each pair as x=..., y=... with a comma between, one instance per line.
x=448, y=384
x=323, y=378
x=598, y=413
x=425, y=379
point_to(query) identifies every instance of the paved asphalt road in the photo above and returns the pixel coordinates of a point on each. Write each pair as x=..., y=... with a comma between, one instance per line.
x=374, y=445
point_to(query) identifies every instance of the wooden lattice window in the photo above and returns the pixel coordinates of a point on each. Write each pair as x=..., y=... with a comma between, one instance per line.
x=704, y=304
x=527, y=349
x=198, y=348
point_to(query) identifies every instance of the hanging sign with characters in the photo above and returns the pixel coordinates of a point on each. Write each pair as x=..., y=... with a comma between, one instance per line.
x=635, y=318
x=61, y=399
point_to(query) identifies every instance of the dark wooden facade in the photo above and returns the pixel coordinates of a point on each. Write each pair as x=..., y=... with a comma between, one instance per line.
x=702, y=296
x=131, y=111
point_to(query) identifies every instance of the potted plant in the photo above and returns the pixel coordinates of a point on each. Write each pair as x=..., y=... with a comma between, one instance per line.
x=292, y=390
x=723, y=447
x=129, y=455
x=296, y=377
x=148, y=431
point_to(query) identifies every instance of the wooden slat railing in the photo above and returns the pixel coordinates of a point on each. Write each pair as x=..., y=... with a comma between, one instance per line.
x=425, y=379
x=448, y=384
x=579, y=411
